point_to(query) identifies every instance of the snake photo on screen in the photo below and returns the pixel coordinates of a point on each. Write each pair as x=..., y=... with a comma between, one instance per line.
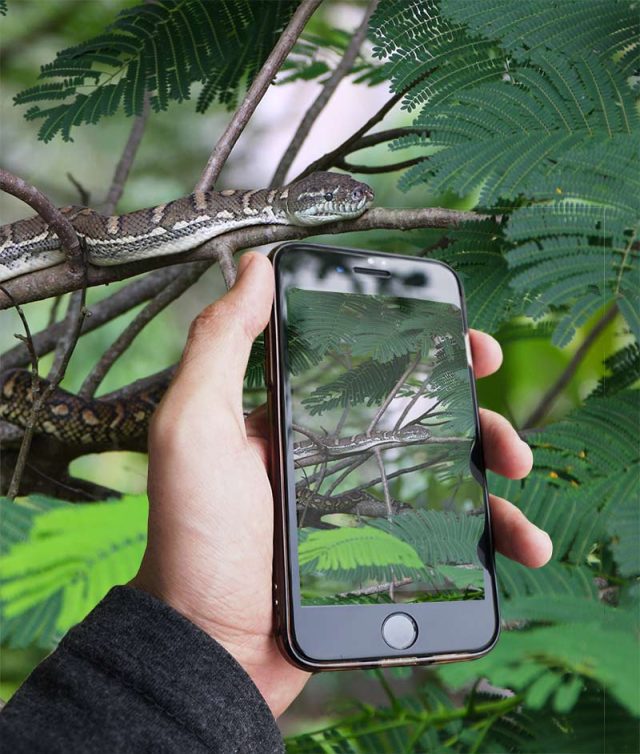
x=383, y=427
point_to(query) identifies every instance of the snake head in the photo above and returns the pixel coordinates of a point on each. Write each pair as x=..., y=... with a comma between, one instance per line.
x=324, y=197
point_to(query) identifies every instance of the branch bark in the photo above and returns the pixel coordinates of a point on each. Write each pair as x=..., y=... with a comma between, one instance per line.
x=317, y=106
x=256, y=92
x=550, y=397
x=56, y=280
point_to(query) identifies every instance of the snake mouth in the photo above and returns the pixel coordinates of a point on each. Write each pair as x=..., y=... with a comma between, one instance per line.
x=326, y=212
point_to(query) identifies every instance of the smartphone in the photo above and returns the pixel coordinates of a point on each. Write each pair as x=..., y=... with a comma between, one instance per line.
x=383, y=551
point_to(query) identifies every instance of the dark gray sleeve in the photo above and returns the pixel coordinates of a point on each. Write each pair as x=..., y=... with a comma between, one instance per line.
x=136, y=676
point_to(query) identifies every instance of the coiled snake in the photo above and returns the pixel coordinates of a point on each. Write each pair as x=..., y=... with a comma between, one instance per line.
x=180, y=225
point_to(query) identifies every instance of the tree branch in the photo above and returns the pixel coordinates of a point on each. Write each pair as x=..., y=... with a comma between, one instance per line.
x=328, y=160
x=128, y=335
x=317, y=106
x=18, y=469
x=40, y=398
x=550, y=397
x=350, y=167
x=104, y=311
x=58, y=223
x=256, y=92
x=379, y=137
x=126, y=159
x=56, y=280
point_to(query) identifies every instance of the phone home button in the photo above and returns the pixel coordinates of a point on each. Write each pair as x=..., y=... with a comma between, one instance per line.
x=399, y=630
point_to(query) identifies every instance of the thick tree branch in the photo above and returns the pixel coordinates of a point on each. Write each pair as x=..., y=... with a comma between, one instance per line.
x=29, y=194
x=317, y=106
x=550, y=397
x=56, y=280
x=256, y=92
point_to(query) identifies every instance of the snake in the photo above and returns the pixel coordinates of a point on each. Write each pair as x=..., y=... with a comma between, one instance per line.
x=318, y=449
x=177, y=226
x=180, y=225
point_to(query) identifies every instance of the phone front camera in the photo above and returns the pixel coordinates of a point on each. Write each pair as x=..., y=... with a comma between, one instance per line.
x=339, y=268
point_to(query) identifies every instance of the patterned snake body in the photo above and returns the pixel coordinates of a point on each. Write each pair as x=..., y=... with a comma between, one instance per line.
x=29, y=245
x=97, y=424
x=322, y=197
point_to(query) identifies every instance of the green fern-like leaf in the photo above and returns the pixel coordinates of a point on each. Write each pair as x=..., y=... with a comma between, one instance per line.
x=520, y=659
x=439, y=537
x=531, y=26
x=61, y=559
x=368, y=383
x=624, y=368
x=543, y=125
x=161, y=48
x=358, y=553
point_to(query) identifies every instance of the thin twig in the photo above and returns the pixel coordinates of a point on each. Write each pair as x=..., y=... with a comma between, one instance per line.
x=550, y=397
x=379, y=137
x=83, y=193
x=353, y=465
x=27, y=338
x=75, y=311
x=58, y=223
x=376, y=588
x=393, y=392
x=227, y=265
x=126, y=160
x=25, y=444
x=317, y=106
x=128, y=335
x=350, y=167
x=56, y=280
x=256, y=92
x=400, y=472
x=385, y=483
x=414, y=399
x=53, y=313
x=328, y=160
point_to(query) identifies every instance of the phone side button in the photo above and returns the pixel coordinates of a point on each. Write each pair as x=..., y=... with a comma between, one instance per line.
x=399, y=630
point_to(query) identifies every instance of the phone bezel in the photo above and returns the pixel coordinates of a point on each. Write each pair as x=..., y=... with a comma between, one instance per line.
x=303, y=636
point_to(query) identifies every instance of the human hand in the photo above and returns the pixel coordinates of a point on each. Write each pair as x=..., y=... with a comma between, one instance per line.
x=209, y=550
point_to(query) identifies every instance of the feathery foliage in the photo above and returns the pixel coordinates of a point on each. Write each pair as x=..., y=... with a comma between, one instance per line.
x=158, y=48
x=542, y=126
x=58, y=560
x=357, y=552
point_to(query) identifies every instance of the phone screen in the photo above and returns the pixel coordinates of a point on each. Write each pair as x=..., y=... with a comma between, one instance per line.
x=383, y=429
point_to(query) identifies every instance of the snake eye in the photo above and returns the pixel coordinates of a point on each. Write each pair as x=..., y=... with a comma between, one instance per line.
x=357, y=194
x=328, y=196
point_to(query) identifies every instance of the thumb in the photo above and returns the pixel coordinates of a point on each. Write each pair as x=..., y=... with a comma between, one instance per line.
x=220, y=338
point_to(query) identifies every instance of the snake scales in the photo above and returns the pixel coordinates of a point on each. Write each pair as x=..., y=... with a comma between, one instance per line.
x=177, y=226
